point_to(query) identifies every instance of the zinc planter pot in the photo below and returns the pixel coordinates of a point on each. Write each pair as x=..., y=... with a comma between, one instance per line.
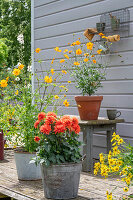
x=61, y=181
x=88, y=106
x=25, y=170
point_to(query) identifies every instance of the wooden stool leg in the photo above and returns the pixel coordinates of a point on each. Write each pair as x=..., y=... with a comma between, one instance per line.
x=88, y=149
x=109, y=137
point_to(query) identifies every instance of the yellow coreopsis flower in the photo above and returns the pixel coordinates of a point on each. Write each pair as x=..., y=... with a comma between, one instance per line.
x=52, y=61
x=66, y=103
x=64, y=71
x=56, y=97
x=89, y=45
x=3, y=83
x=76, y=63
x=116, y=168
x=73, y=44
x=16, y=92
x=125, y=189
x=111, y=162
x=101, y=34
x=86, y=54
x=95, y=171
x=78, y=51
x=119, y=162
x=86, y=60
x=99, y=51
x=7, y=79
x=16, y=72
x=21, y=66
x=52, y=71
x=37, y=50
x=48, y=79
x=94, y=61
x=128, y=181
x=69, y=81
x=65, y=50
x=57, y=49
x=62, y=60
x=120, y=141
x=66, y=56
x=130, y=175
x=78, y=42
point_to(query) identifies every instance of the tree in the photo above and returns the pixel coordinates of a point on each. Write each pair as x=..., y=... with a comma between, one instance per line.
x=15, y=26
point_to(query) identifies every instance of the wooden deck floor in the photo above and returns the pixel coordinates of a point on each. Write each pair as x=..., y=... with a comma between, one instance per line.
x=90, y=187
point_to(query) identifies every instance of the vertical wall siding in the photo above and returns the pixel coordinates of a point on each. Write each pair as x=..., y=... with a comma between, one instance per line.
x=55, y=21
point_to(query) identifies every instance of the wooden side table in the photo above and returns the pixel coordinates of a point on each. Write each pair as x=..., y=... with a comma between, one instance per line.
x=88, y=128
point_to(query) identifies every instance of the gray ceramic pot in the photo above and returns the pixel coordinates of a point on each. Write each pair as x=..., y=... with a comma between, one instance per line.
x=61, y=181
x=25, y=170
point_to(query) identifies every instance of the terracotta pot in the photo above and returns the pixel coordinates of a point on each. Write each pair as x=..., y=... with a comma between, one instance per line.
x=88, y=106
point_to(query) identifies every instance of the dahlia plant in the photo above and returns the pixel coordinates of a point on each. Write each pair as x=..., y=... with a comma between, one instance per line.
x=119, y=161
x=57, y=139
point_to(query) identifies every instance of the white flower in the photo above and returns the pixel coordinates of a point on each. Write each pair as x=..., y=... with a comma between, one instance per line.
x=29, y=68
x=8, y=69
x=20, y=38
x=17, y=79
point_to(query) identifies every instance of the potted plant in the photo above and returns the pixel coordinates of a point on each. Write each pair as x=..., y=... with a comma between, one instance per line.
x=59, y=155
x=88, y=72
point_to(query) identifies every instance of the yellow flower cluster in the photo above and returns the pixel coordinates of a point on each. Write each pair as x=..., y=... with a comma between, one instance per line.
x=62, y=60
x=78, y=51
x=89, y=45
x=66, y=103
x=109, y=195
x=76, y=63
x=57, y=49
x=16, y=72
x=3, y=83
x=21, y=66
x=52, y=71
x=99, y=51
x=37, y=50
x=66, y=56
x=113, y=164
x=64, y=71
x=48, y=79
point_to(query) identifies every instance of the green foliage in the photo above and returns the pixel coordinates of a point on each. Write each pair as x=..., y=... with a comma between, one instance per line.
x=15, y=21
x=3, y=53
x=88, y=78
x=57, y=149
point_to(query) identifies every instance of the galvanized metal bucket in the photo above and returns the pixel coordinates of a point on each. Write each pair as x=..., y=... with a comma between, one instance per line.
x=61, y=181
x=25, y=170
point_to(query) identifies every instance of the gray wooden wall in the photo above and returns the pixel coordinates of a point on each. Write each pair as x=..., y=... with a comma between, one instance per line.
x=53, y=24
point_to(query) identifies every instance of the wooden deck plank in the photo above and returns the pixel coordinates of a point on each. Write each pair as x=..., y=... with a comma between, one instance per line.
x=90, y=187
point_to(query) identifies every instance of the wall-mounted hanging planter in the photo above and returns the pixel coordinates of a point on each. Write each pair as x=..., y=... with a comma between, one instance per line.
x=117, y=22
